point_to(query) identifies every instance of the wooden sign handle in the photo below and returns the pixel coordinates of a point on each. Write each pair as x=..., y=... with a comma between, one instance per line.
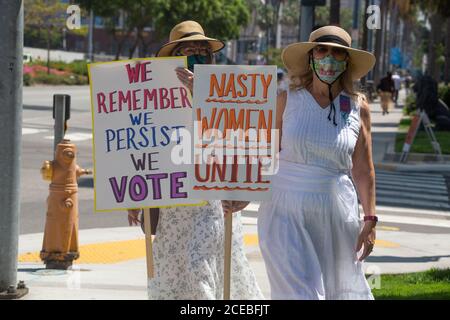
x=227, y=257
x=148, y=243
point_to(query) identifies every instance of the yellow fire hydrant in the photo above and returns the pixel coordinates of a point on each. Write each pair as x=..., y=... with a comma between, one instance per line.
x=60, y=245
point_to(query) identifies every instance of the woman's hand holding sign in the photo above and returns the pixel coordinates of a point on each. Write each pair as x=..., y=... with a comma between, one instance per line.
x=231, y=206
x=186, y=77
x=133, y=217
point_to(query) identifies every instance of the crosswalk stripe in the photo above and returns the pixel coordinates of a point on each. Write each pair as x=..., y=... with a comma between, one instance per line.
x=409, y=174
x=411, y=211
x=414, y=221
x=409, y=178
x=392, y=200
x=74, y=136
x=402, y=184
x=411, y=181
x=412, y=190
x=26, y=131
x=382, y=217
x=419, y=189
x=415, y=173
x=411, y=195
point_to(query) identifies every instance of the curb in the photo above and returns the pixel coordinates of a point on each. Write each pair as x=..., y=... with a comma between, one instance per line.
x=430, y=158
x=438, y=168
x=250, y=213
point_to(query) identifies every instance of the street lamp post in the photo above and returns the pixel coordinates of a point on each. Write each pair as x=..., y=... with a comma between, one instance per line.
x=11, y=57
x=307, y=15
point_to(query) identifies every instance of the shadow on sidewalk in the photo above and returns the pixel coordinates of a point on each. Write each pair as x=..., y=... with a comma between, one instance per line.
x=405, y=259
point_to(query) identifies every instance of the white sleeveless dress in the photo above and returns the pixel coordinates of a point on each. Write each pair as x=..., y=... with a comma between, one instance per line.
x=309, y=229
x=188, y=253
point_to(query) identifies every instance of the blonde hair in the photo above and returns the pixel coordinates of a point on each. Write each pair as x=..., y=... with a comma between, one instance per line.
x=303, y=80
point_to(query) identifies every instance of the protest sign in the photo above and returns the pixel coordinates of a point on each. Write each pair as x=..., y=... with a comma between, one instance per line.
x=234, y=136
x=139, y=111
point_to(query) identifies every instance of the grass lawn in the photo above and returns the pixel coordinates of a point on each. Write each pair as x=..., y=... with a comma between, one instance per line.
x=431, y=284
x=421, y=142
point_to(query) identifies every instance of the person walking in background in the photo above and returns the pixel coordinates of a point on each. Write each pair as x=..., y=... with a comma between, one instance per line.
x=310, y=231
x=408, y=83
x=188, y=248
x=397, y=85
x=386, y=89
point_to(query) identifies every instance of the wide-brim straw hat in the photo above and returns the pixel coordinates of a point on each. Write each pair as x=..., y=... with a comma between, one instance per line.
x=296, y=56
x=188, y=31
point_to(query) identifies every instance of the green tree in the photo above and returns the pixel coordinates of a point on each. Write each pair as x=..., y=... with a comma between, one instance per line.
x=323, y=17
x=273, y=13
x=438, y=14
x=46, y=15
x=291, y=13
x=138, y=15
x=273, y=57
x=221, y=19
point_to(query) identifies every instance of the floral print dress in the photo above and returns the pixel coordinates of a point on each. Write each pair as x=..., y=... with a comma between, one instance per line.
x=188, y=253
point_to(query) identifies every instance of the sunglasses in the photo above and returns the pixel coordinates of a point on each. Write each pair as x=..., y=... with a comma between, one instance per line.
x=190, y=51
x=320, y=52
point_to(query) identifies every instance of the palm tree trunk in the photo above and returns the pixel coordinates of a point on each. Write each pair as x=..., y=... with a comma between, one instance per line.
x=365, y=35
x=278, y=32
x=386, y=37
x=377, y=69
x=447, y=53
x=121, y=42
x=135, y=44
x=48, y=50
x=335, y=10
x=436, y=24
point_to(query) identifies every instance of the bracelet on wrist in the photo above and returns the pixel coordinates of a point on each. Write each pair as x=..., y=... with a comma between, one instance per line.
x=371, y=218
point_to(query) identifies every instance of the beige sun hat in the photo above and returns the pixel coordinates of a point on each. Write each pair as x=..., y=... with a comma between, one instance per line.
x=188, y=31
x=296, y=56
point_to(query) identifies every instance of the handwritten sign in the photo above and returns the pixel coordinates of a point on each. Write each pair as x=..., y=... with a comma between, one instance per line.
x=234, y=134
x=139, y=109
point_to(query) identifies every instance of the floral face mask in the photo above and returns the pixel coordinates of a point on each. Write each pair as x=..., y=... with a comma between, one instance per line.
x=328, y=69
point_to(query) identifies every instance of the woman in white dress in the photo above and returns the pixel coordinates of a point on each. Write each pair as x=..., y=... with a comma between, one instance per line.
x=188, y=249
x=310, y=231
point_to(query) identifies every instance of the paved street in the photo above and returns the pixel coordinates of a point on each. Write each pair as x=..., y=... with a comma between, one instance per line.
x=37, y=146
x=412, y=190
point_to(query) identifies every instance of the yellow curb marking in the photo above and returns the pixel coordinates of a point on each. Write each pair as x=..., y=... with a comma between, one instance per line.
x=251, y=240
x=386, y=244
x=388, y=228
x=114, y=252
x=102, y=253
x=119, y=251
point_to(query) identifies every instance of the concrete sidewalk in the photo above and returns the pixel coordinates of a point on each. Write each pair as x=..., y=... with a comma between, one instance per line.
x=112, y=261
x=384, y=131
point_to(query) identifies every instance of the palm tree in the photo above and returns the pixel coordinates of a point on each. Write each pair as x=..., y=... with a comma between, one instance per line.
x=380, y=34
x=438, y=12
x=335, y=9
